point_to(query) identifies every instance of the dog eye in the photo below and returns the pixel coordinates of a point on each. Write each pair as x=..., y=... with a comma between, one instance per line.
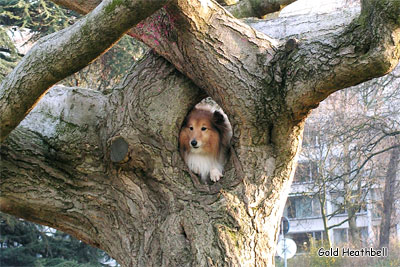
x=203, y=128
x=191, y=128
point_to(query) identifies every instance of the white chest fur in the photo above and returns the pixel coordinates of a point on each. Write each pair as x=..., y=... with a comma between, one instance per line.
x=203, y=165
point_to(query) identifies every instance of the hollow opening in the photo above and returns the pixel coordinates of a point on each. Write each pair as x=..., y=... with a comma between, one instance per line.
x=204, y=141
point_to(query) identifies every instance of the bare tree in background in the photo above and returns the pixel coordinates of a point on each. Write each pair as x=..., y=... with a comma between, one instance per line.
x=350, y=142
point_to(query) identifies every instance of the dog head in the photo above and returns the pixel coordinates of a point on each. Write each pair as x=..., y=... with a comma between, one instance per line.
x=200, y=132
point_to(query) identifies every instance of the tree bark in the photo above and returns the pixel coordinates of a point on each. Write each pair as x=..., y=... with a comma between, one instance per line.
x=253, y=8
x=185, y=31
x=388, y=198
x=56, y=167
x=64, y=53
x=322, y=197
x=56, y=170
x=143, y=206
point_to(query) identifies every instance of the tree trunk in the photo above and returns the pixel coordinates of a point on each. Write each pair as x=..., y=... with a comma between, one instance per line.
x=322, y=196
x=106, y=168
x=354, y=234
x=159, y=216
x=388, y=198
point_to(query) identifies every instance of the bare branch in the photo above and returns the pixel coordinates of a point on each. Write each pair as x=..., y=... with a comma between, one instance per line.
x=58, y=143
x=367, y=48
x=338, y=224
x=254, y=8
x=64, y=53
x=308, y=72
x=361, y=166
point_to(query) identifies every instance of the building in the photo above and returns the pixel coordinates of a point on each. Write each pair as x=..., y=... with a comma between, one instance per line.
x=335, y=168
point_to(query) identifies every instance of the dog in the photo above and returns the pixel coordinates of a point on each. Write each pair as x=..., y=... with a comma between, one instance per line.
x=204, y=142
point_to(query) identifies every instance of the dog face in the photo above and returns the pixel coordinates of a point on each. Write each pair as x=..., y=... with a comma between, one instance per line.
x=198, y=134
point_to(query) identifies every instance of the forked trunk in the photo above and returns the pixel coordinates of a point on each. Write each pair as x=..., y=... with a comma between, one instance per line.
x=129, y=192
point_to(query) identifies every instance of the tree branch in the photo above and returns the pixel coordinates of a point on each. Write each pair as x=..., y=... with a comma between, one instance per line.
x=254, y=8
x=52, y=153
x=217, y=52
x=368, y=47
x=195, y=36
x=191, y=38
x=64, y=53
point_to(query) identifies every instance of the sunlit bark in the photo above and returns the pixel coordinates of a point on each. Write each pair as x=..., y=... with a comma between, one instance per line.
x=144, y=208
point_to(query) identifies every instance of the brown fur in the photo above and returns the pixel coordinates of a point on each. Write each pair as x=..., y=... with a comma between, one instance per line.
x=212, y=131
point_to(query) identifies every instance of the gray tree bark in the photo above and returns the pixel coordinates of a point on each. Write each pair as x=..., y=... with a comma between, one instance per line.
x=253, y=8
x=389, y=198
x=143, y=206
x=64, y=53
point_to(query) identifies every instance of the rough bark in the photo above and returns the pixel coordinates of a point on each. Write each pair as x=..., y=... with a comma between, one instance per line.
x=145, y=208
x=185, y=31
x=389, y=198
x=64, y=53
x=253, y=8
x=238, y=8
x=56, y=167
x=63, y=176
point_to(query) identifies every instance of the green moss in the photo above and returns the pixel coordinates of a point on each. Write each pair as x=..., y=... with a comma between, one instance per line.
x=111, y=7
x=235, y=236
x=66, y=129
x=389, y=12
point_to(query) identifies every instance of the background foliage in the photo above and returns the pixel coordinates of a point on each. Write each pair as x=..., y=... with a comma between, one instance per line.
x=40, y=16
x=26, y=244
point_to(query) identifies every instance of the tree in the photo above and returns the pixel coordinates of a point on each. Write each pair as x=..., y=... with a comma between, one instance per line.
x=347, y=143
x=42, y=17
x=9, y=56
x=106, y=168
x=389, y=198
x=26, y=244
x=344, y=148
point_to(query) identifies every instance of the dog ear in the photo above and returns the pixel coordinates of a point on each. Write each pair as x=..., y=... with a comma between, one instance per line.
x=222, y=126
x=185, y=121
x=218, y=118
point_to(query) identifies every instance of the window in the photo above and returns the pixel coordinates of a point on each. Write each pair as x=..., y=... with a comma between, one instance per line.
x=302, y=241
x=302, y=207
x=364, y=236
x=313, y=137
x=340, y=236
x=306, y=172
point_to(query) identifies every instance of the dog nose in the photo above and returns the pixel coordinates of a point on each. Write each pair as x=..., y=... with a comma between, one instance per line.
x=193, y=143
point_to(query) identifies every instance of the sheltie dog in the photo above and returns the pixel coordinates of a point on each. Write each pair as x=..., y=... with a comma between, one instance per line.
x=204, y=142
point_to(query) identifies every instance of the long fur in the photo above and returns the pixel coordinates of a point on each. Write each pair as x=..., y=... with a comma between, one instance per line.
x=212, y=131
